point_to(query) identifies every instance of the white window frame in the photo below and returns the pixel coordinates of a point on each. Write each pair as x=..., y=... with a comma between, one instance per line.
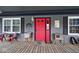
x=18, y=25
x=71, y=17
x=11, y=25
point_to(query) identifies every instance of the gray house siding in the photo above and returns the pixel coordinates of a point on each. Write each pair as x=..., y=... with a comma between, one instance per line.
x=56, y=30
x=29, y=29
x=25, y=28
x=67, y=38
x=21, y=36
x=30, y=19
x=63, y=26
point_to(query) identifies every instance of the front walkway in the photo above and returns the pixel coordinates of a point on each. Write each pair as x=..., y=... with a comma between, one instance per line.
x=29, y=47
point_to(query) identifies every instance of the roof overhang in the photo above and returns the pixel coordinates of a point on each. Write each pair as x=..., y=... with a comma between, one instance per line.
x=21, y=11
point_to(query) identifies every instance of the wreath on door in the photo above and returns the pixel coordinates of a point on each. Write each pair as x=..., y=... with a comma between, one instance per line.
x=29, y=26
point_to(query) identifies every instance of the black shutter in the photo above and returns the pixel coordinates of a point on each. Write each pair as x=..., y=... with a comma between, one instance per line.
x=22, y=25
x=65, y=25
x=0, y=25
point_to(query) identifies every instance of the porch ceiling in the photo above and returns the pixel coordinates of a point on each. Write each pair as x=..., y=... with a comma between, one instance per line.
x=37, y=10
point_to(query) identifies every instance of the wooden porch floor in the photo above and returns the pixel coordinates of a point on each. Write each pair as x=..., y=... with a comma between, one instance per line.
x=29, y=47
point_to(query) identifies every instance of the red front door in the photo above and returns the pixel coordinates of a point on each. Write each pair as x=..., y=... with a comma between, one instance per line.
x=42, y=29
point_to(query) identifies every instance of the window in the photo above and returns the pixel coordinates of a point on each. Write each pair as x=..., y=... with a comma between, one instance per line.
x=11, y=25
x=57, y=24
x=16, y=25
x=7, y=25
x=73, y=25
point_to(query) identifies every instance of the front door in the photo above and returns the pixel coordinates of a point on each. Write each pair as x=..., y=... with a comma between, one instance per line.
x=42, y=29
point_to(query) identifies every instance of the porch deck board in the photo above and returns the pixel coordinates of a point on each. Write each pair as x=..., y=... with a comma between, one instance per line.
x=73, y=48
x=77, y=48
x=69, y=49
x=28, y=47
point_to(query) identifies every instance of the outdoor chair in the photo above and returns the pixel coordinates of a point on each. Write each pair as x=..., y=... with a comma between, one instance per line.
x=12, y=37
x=58, y=38
x=1, y=37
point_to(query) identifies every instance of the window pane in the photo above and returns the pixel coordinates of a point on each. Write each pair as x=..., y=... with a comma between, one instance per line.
x=7, y=22
x=16, y=22
x=71, y=22
x=57, y=24
x=16, y=29
x=77, y=21
x=74, y=22
x=74, y=29
x=7, y=28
